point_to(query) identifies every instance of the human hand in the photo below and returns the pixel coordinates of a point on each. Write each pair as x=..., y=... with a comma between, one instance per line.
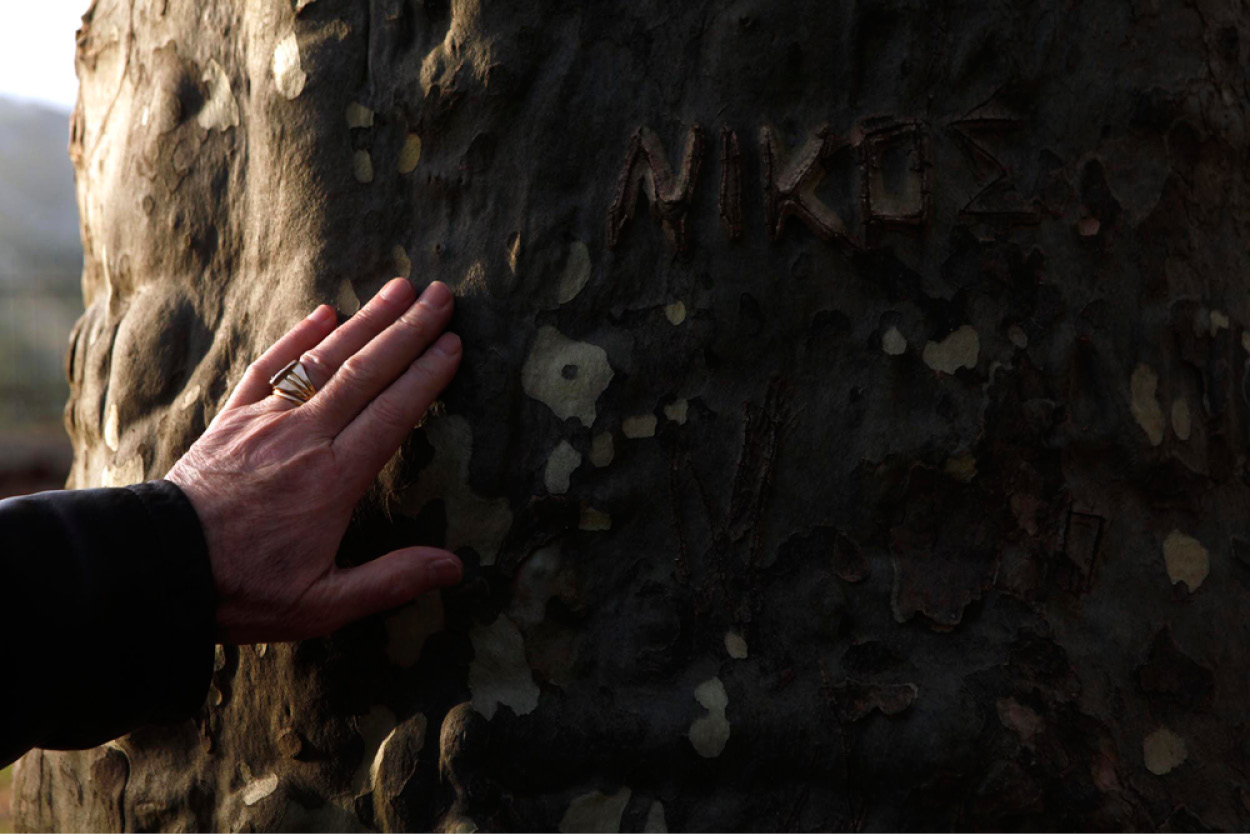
x=275, y=483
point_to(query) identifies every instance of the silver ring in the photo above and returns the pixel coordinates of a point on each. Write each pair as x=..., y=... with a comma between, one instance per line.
x=292, y=383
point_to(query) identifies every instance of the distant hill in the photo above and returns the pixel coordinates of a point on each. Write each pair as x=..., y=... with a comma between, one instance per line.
x=40, y=266
x=39, y=239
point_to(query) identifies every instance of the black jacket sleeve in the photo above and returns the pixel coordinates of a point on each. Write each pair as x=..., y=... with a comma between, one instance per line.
x=107, y=598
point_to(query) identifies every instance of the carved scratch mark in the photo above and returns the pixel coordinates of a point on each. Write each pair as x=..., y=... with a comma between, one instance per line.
x=682, y=560
x=735, y=534
x=1081, y=540
x=756, y=467
x=731, y=183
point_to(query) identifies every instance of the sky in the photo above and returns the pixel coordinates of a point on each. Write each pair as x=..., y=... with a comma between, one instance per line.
x=37, y=50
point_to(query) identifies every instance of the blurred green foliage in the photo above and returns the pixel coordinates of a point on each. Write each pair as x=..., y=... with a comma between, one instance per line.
x=6, y=795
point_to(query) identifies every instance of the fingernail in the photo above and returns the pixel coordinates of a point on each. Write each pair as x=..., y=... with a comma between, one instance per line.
x=448, y=345
x=445, y=571
x=396, y=289
x=323, y=315
x=436, y=296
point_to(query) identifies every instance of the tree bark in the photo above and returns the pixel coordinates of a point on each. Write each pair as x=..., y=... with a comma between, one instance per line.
x=852, y=430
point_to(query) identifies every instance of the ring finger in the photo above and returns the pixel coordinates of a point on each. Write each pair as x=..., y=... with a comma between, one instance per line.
x=322, y=361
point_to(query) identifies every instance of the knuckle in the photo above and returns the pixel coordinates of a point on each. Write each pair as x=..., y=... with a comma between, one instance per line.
x=416, y=325
x=430, y=371
x=254, y=374
x=318, y=458
x=378, y=311
x=388, y=413
x=315, y=366
x=359, y=372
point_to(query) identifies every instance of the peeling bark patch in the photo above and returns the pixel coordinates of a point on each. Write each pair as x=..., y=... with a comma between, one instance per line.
x=849, y=562
x=710, y=733
x=472, y=520
x=1187, y=560
x=112, y=431
x=958, y=350
x=855, y=700
x=1018, y=337
x=602, y=450
x=656, y=823
x=189, y=397
x=961, y=467
x=258, y=789
x=893, y=342
x=594, y=521
x=1021, y=720
x=373, y=727
x=596, y=812
x=362, y=167
x=938, y=584
x=675, y=313
x=288, y=75
x=576, y=273
x=1219, y=321
x=1180, y=418
x=565, y=375
x=403, y=265
x=639, y=426
x=409, y=154
x=538, y=579
x=735, y=645
x=393, y=766
x=1144, y=405
x=1163, y=751
x=676, y=411
x=560, y=466
x=1171, y=675
x=358, y=116
x=499, y=673
x=828, y=543
x=220, y=111
x=347, y=301
x=124, y=474
x=408, y=629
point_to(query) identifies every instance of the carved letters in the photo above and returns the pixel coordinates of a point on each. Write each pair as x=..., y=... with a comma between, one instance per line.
x=998, y=199
x=910, y=201
x=647, y=165
x=790, y=185
x=895, y=165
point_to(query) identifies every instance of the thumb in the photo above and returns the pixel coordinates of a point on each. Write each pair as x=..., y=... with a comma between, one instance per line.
x=390, y=581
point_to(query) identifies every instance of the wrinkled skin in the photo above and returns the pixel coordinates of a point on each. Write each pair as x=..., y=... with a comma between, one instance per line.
x=274, y=487
x=924, y=508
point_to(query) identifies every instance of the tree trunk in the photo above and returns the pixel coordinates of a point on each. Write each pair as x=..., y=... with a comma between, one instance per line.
x=852, y=431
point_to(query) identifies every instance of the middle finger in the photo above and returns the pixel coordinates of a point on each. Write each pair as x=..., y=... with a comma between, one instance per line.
x=367, y=372
x=388, y=304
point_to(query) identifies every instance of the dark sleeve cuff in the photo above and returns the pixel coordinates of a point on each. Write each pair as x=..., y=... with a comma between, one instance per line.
x=113, y=596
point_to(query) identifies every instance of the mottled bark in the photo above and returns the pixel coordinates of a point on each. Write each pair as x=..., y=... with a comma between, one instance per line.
x=852, y=431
